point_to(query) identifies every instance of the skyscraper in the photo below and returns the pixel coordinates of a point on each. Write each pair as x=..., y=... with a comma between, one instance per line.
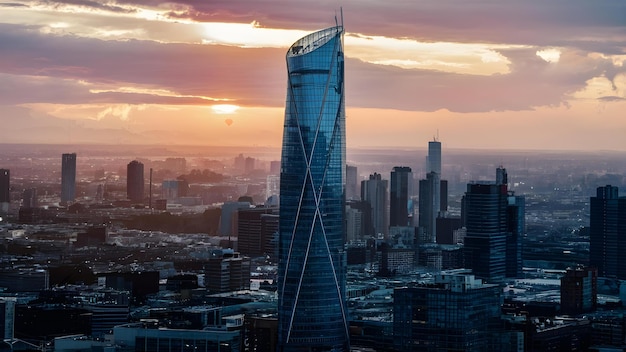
x=516, y=227
x=374, y=191
x=351, y=183
x=434, y=156
x=5, y=187
x=485, y=220
x=607, y=232
x=312, y=312
x=494, y=220
x=68, y=177
x=135, y=181
x=400, y=211
x=429, y=196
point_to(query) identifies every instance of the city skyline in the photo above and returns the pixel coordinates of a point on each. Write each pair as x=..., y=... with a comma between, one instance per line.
x=211, y=74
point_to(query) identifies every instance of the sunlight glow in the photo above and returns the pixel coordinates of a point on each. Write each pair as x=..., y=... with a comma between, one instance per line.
x=224, y=109
x=158, y=92
x=550, y=55
x=249, y=35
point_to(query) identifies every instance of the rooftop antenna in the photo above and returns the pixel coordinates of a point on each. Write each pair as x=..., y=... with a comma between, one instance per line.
x=341, y=13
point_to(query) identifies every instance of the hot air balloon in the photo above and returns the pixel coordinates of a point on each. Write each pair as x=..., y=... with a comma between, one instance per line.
x=229, y=121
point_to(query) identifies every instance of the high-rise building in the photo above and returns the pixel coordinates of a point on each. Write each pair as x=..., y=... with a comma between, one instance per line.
x=374, y=191
x=607, y=232
x=351, y=183
x=5, y=187
x=256, y=228
x=434, y=156
x=135, y=181
x=400, y=192
x=429, y=196
x=579, y=290
x=494, y=221
x=516, y=227
x=226, y=270
x=312, y=313
x=456, y=313
x=68, y=177
x=29, y=198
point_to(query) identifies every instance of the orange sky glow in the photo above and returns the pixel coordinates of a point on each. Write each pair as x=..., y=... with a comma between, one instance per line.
x=510, y=74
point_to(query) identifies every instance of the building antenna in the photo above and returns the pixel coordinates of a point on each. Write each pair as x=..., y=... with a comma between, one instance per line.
x=341, y=12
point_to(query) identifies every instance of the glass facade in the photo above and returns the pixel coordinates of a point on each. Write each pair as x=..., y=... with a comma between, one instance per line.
x=400, y=192
x=68, y=177
x=312, y=262
x=485, y=207
x=446, y=316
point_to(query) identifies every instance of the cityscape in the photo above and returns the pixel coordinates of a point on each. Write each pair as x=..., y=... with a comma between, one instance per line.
x=137, y=214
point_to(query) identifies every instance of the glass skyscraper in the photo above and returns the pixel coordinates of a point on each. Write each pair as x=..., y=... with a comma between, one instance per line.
x=607, y=230
x=400, y=192
x=312, y=264
x=68, y=177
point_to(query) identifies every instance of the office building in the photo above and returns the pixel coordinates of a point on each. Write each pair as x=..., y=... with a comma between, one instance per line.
x=135, y=181
x=485, y=240
x=227, y=271
x=29, y=198
x=68, y=177
x=429, y=196
x=256, y=229
x=434, y=156
x=400, y=192
x=5, y=188
x=494, y=221
x=607, y=232
x=7, y=318
x=455, y=313
x=352, y=192
x=516, y=227
x=363, y=212
x=312, y=312
x=579, y=290
x=374, y=192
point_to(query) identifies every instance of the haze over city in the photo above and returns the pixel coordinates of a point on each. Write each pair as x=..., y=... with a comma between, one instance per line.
x=488, y=75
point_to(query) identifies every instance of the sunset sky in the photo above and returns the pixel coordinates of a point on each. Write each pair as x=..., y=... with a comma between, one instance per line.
x=501, y=74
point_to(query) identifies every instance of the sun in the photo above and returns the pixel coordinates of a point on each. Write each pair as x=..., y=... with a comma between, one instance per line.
x=224, y=108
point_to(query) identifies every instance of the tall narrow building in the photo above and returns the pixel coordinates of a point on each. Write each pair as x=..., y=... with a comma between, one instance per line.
x=400, y=210
x=374, y=192
x=434, y=156
x=68, y=177
x=312, y=313
x=607, y=232
x=429, y=197
x=5, y=188
x=135, y=182
x=351, y=183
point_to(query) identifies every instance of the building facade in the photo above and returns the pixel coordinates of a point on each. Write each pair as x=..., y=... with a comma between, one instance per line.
x=374, y=192
x=429, y=197
x=312, y=312
x=494, y=221
x=434, y=156
x=400, y=192
x=135, y=181
x=456, y=313
x=5, y=189
x=607, y=232
x=579, y=290
x=68, y=177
